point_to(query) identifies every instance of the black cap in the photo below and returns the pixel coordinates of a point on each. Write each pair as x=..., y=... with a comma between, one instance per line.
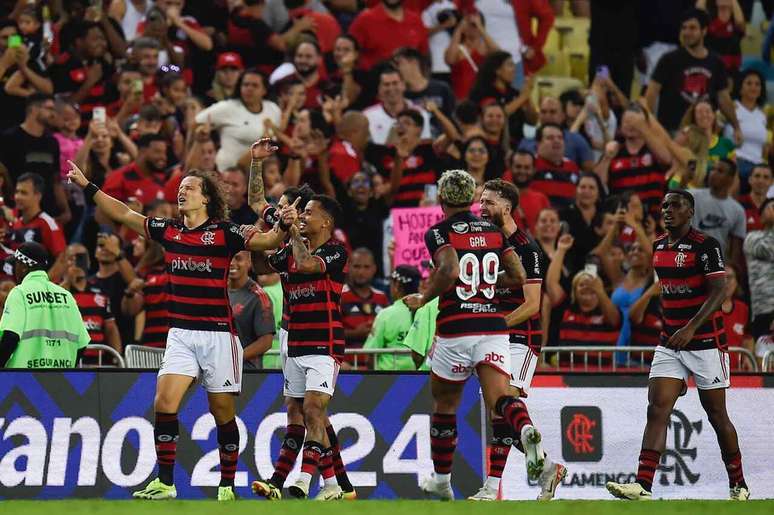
x=31, y=254
x=408, y=277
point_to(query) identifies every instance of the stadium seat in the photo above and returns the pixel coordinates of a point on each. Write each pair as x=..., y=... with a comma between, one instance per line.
x=553, y=87
x=557, y=64
x=139, y=356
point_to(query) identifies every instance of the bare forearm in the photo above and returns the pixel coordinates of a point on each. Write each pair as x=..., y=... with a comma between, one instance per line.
x=42, y=84
x=256, y=197
x=710, y=306
x=197, y=37
x=258, y=347
x=350, y=88
x=727, y=108
x=553, y=287
x=440, y=281
x=125, y=269
x=524, y=312
x=609, y=310
x=301, y=255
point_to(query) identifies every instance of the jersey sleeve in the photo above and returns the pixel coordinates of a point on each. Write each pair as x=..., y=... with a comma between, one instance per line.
x=280, y=260
x=155, y=228
x=333, y=257
x=53, y=238
x=711, y=258
x=435, y=239
x=263, y=321
x=533, y=265
x=235, y=239
x=14, y=313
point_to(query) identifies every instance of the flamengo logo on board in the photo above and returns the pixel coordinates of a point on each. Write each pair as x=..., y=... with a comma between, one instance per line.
x=581, y=433
x=674, y=465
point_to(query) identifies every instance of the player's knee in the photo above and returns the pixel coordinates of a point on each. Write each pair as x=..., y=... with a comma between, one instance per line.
x=658, y=410
x=164, y=403
x=314, y=416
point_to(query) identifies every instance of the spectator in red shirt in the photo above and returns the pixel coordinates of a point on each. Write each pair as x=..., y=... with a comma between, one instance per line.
x=469, y=47
x=531, y=202
x=145, y=178
x=34, y=224
x=144, y=54
x=555, y=175
x=736, y=314
x=324, y=26
x=307, y=60
x=384, y=28
x=761, y=180
x=345, y=156
x=183, y=28
x=725, y=31
x=360, y=302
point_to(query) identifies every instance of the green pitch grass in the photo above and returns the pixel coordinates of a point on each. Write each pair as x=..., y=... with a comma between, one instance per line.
x=249, y=507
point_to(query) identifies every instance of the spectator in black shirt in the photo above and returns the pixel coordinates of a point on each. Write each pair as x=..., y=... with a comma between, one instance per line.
x=235, y=184
x=29, y=147
x=84, y=70
x=364, y=222
x=688, y=73
x=415, y=70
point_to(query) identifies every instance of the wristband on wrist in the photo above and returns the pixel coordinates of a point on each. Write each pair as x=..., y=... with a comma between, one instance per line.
x=90, y=190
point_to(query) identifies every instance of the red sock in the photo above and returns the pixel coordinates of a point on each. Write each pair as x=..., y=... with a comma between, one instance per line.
x=228, y=444
x=165, y=433
x=443, y=441
x=647, y=469
x=515, y=412
x=499, y=446
x=313, y=451
x=291, y=446
x=326, y=464
x=734, y=469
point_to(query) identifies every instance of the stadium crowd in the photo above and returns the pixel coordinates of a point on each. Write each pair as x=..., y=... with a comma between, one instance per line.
x=369, y=102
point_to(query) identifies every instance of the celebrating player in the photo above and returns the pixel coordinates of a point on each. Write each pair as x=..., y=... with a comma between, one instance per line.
x=522, y=307
x=690, y=268
x=308, y=366
x=202, y=339
x=468, y=254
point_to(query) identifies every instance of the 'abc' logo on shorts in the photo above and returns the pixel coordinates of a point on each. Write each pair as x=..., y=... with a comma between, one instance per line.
x=581, y=433
x=493, y=357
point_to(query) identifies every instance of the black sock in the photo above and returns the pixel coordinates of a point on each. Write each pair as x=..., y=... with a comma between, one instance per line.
x=165, y=434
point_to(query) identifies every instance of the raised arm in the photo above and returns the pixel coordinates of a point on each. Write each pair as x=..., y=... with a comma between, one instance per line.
x=256, y=197
x=609, y=310
x=257, y=240
x=305, y=262
x=553, y=287
x=637, y=310
x=112, y=208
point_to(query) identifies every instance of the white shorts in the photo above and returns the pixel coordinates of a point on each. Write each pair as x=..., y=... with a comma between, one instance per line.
x=455, y=359
x=523, y=363
x=709, y=367
x=214, y=357
x=312, y=373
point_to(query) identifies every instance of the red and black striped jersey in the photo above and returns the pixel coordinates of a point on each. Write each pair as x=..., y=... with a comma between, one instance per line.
x=640, y=173
x=197, y=262
x=419, y=169
x=557, y=182
x=470, y=307
x=585, y=329
x=648, y=332
x=752, y=213
x=156, y=315
x=41, y=228
x=528, y=332
x=95, y=311
x=357, y=310
x=313, y=301
x=684, y=269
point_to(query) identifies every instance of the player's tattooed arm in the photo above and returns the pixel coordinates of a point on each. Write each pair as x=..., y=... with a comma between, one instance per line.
x=260, y=150
x=447, y=269
x=305, y=262
x=515, y=274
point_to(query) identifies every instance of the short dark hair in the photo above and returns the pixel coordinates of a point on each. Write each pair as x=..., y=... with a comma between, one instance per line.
x=329, y=204
x=699, y=15
x=506, y=190
x=145, y=140
x=36, y=100
x=352, y=40
x=304, y=192
x=145, y=42
x=7, y=22
x=522, y=152
x=730, y=163
x=150, y=113
x=413, y=54
x=250, y=71
x=415, y=116
x=82, y=28
x=38, y=183
x=683, y=193
x=387, y=70
x=468, y=112
x=572, y=95
x=543, y=127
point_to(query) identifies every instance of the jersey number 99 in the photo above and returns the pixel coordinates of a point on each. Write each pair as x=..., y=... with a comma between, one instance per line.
x=478, y=276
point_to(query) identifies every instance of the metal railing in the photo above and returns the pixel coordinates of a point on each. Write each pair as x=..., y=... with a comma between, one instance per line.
x=615, y=358
x=118, y=361
x=140, y=356
x=558, y=358
x=767, y=364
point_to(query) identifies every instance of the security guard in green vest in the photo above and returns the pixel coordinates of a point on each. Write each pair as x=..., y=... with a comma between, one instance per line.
x=41, y=325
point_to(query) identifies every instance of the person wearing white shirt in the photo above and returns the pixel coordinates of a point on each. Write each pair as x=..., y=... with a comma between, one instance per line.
x=438, y=26
x=240, y=121
x=383, y=116
x=752, y=120
x=501, y=25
